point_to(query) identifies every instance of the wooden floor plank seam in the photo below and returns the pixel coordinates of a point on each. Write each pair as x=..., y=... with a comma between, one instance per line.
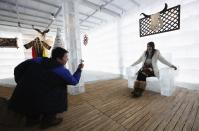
x=152, y=119
x=106, y=115
x=170, y=115
x=155, y=121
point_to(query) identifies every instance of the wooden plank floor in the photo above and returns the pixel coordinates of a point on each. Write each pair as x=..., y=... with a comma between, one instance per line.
x=108, y=106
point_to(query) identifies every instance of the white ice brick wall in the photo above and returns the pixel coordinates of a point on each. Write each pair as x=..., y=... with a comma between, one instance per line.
x=109, y=52
x=10, y=57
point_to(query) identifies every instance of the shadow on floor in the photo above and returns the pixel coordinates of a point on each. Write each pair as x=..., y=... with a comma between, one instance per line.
x=8, y=118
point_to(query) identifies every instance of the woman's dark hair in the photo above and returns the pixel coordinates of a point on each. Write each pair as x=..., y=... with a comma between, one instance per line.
x=58, y=52
x=151, y=44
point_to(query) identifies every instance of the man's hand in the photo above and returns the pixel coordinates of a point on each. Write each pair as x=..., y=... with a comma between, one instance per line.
x=175, y=68
x=80, y=66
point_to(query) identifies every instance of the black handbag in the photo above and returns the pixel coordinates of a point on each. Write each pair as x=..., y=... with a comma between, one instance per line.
x=146, y=70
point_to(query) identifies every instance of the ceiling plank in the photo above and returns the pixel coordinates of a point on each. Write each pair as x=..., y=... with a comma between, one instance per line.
x=135, y=2
x=23, y=23
x=25, y=7
x=97, y=18
x=46, y=3
x=91, y=22
x=100, y=8
x=34, y=9
x=83, y=29
x=55, y=16
x=97, y=8
x=116, y=6
x=26, y=14
x=15, y=26
x=25, y=19
x=88, y=17
x=86, y=26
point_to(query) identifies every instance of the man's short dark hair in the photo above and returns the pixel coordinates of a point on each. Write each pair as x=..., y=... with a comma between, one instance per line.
x=58, y=52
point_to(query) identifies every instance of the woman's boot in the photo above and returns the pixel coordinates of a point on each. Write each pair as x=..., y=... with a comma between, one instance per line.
x=142, y=87
x=135, y=92
x=139, y=87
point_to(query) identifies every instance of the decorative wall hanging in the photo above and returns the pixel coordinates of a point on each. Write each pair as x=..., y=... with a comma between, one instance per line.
x=39, y=45
x=8, y=42
x=58, y=39
x=85, y=42
x=163, y=21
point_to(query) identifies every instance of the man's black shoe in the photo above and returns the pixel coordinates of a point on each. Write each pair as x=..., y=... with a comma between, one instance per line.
x=48, y=123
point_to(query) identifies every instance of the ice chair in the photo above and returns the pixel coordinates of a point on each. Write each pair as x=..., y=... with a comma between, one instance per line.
x=165, y=84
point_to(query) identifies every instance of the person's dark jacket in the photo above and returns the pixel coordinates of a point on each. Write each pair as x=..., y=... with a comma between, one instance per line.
x=42, y=86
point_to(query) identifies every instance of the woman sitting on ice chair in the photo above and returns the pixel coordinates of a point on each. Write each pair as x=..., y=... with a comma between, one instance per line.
x=149, y=68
